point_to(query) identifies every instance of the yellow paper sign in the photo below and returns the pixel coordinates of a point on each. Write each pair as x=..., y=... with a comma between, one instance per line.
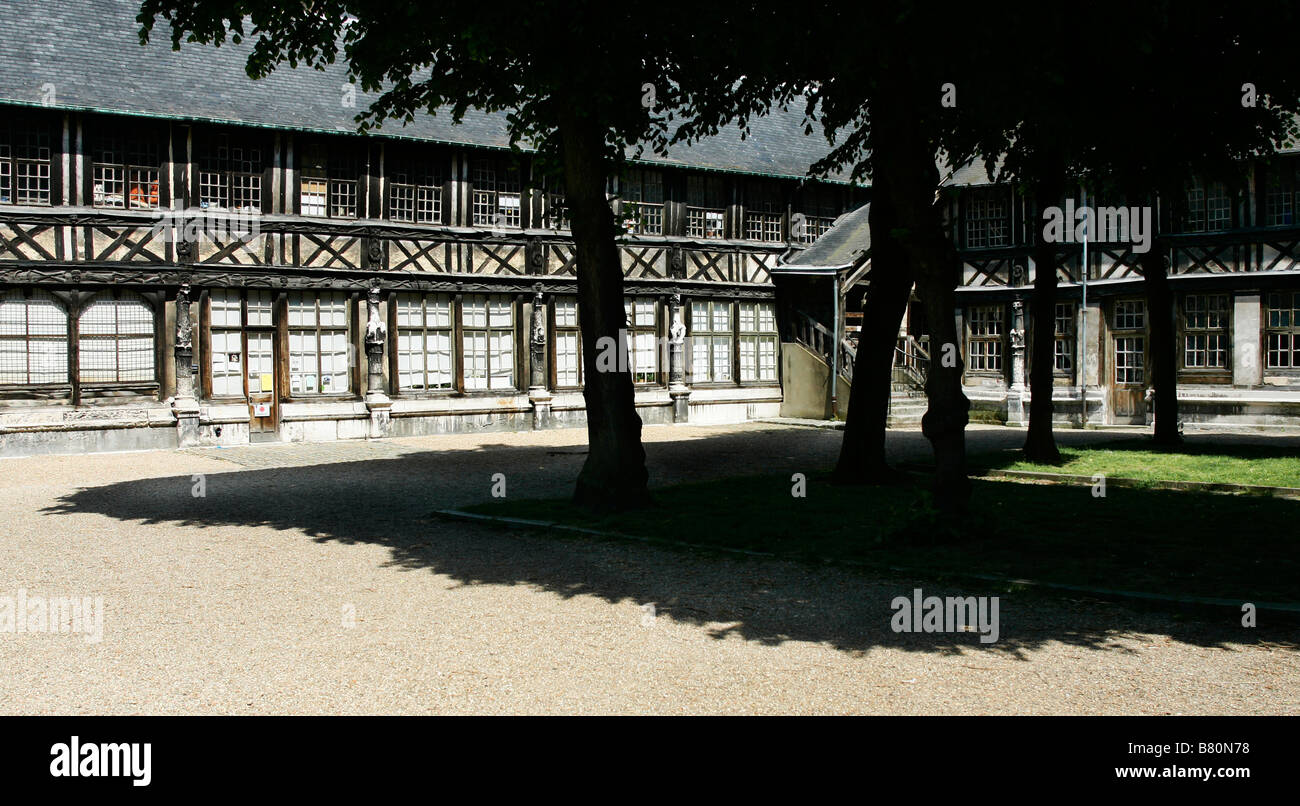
x=266, y=382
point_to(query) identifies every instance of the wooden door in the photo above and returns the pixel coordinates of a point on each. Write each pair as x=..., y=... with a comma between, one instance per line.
x=263, y=403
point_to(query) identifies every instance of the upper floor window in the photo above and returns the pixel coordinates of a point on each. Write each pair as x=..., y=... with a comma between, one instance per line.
x=329, y=181
x=1282, y=330
x=33, y=339
x=642, y=192
x=414, y=188
x=230, y=174
x=497, y=198
x=124, y=172
x=116, y=340
x=1209, y=207
x=817, y=207
x=706, y=206
x=1280, y=195
x=24, y=165
x=557, y=208
x=984, y=346
x=988, y=220
x=763, y=212
x=1205, y=331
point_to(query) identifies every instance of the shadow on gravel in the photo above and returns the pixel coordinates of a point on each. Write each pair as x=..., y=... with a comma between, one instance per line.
x=388, y=501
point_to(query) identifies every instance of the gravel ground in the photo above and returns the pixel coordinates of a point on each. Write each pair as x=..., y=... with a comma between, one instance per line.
x=311, y=579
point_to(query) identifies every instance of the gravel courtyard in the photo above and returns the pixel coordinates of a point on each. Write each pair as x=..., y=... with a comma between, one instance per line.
x=313, y=579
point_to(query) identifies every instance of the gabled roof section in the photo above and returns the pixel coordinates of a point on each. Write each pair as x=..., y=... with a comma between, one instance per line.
x=88, y=53
x=844, y=244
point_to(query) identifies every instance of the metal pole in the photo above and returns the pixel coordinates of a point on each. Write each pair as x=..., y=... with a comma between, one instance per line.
x=835, y=342
x=1083, y=324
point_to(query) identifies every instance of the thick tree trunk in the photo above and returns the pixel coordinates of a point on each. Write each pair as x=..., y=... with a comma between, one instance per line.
x=906, y=157
x=1163, y=350
x=862, y=453
x=1040, y=442
x=614, y=475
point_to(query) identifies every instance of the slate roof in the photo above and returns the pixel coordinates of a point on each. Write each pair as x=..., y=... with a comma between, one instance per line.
x=841, y=245
x=89, y=51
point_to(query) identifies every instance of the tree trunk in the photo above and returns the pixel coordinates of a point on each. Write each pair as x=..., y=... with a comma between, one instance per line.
x=906, y=157
x=1164, y=355
x=862, y=452
x=614, y=475
x=1040, y=442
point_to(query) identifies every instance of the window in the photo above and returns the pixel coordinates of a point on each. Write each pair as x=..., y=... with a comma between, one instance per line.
x=557, y=209
x=24, y=165
x=711, y=338
x=328, y=185
x=424, y=335
x=1208, y=207
x=228, y=315
x=757, y=341
x=1280, y=196
x=568, y=344
x=985, y=344
x=33, y=339
x=643, y=201
x=230, y=175
x=318, y=343
x=705, y=207
x=489, y=342
x=988, y=220
x=1130, y=341
x=496, y=196
x=414, y=189
x=1063, y=326
x=642, y=339
x=125, y=172
x=1282, y=332
x=818, y=207
x=1205, y=331
x=116, y=341
x=763, y=212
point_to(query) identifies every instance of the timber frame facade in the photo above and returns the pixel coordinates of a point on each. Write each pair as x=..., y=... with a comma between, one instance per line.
x=168, y=283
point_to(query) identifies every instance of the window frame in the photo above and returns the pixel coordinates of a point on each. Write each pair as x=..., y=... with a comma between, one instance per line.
x=706, y=197
x=27, y=296
x=40, y=136
x=317, y=329
x=118, y=296
x=1187, y=330
x=488, y=329
x=1290, y=331
x=635, y=328
x=714, y=337
x=648, y=213
x=979, y=220
x=339, y=172
x=988, y=340
x=574, y=330
x=764, y=213
x=486, y=192
x=758, y=336
x=209, y=154
x=1128, y=324
x=131, y=152
x=266, y=305
x=404, y=168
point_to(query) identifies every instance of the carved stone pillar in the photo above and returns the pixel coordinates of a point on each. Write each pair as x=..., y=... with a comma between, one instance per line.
x=538, y=395
x=1018, y=393
x=377, y=401
x=678, y=391
x=185, y=406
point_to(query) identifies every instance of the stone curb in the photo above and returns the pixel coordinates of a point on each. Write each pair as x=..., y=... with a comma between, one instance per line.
x=1100, y=593
x=1185, y=486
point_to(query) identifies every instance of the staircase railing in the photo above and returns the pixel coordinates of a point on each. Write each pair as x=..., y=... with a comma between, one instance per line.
x=911, y=361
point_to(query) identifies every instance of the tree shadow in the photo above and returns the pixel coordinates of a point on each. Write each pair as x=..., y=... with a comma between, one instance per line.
x=388, y=501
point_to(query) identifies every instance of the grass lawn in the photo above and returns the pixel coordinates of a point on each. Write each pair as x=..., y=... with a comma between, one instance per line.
x=1268, y=466
x=1197, y=544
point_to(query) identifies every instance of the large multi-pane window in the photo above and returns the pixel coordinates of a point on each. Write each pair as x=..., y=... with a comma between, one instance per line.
x=557, y=206
x=642, y=192
x=116, y=342
x=124, y=172
x=496, y=198
x=424, y=339
x=706, y=204
x=568, y=343
x=711, y=341
x=230, y=360
x=1282, y=330
x=1205, y=331
x=33, y=339
x=414, y=188
x=642, y=339
x=1280, y=195
x=329, y=181
x=984, y=344
x=1130, y=341
x=758, y=341
x=764, y=210
x=230, y=174
x=488, y=342
x=24, y=165
x=318, y=343
x=1063, y=324
x=1208, y=207
x=988, y=219
x=816, y=210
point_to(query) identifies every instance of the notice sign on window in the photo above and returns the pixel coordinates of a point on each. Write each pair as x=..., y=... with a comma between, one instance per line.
x=266, y=382
x=261, y=409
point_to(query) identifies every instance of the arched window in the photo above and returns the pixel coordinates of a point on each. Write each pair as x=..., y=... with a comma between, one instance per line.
x=33, y=339
x=116, y=341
